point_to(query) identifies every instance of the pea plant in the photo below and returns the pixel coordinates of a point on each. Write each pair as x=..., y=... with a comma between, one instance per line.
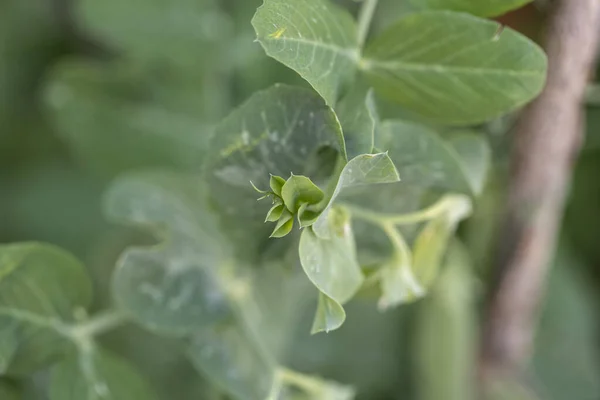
x=304, y=197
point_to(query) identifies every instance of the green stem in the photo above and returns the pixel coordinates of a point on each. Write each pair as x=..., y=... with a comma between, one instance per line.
x=99, y=324
x=306, y=383
x=401, y=219
x=364, y=20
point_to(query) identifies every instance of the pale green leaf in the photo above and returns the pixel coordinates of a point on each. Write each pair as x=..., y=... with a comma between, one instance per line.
x=332, y=266
x=41, y=288
x=358, y=115
x=315, y=38
x=299, y=190
x=96, y=374
x=189, y=283
x=276, y=183
x=364, y=170
x=431, y=244
x=277, y=131
x=330, y=315
x=233, y=361
x=484, y=8
x=275, y=213
x=307, y=215
x=173, y=286
x=422, y=157
x=475, y=155
x=284, y=225
x=455, y=68
x=446, y=330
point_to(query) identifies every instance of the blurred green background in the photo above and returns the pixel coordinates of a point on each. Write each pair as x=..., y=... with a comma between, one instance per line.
x=90, y=88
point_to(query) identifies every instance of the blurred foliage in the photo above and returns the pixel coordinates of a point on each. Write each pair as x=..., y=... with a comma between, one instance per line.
x=89, y=89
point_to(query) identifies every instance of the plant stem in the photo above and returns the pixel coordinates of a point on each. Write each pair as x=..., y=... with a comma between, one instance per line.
x=364, y=20
x=425, y=214
x=99, y=324
x=307, y=383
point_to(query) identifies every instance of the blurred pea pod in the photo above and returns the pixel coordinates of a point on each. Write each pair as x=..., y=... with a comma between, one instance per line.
x=446, y=333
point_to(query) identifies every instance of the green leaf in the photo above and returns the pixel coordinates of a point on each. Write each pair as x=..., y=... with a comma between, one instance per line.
x=118, y=116
x=284, y=225
x=486, y=8
x=307, y=215
x=189, y=284
x=358, y=115
x=332, y=266
x=277, y=131
x=173, y=286
x=475, y=154
x=460, y=70
x=364, y=170
x=422, y=157
x=275, y=213
x=300, y=190
x=431, y=244
x=315, y=38
x=233, y=361
x=97, y=374
x=446, y=330
x=276, y=183
x=330, y=315
x=41, y=288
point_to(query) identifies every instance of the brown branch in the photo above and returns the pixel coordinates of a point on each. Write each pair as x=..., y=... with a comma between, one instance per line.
x=547, y=140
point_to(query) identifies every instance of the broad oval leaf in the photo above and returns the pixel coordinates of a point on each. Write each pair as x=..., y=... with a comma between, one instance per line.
x=459, y=69
x=173, y=286
x=95, y=374
x=364, y=170
x=484, y=8
x=41, y=289
x=332, y=266
x=422, y=157
x=189, y=284
x=315, y=38
x=277, y=131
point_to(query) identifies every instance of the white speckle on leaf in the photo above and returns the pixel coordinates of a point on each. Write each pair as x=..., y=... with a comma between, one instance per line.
x=151, y=291
x=246, y=138
x=182, y=298
x=101, y=389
